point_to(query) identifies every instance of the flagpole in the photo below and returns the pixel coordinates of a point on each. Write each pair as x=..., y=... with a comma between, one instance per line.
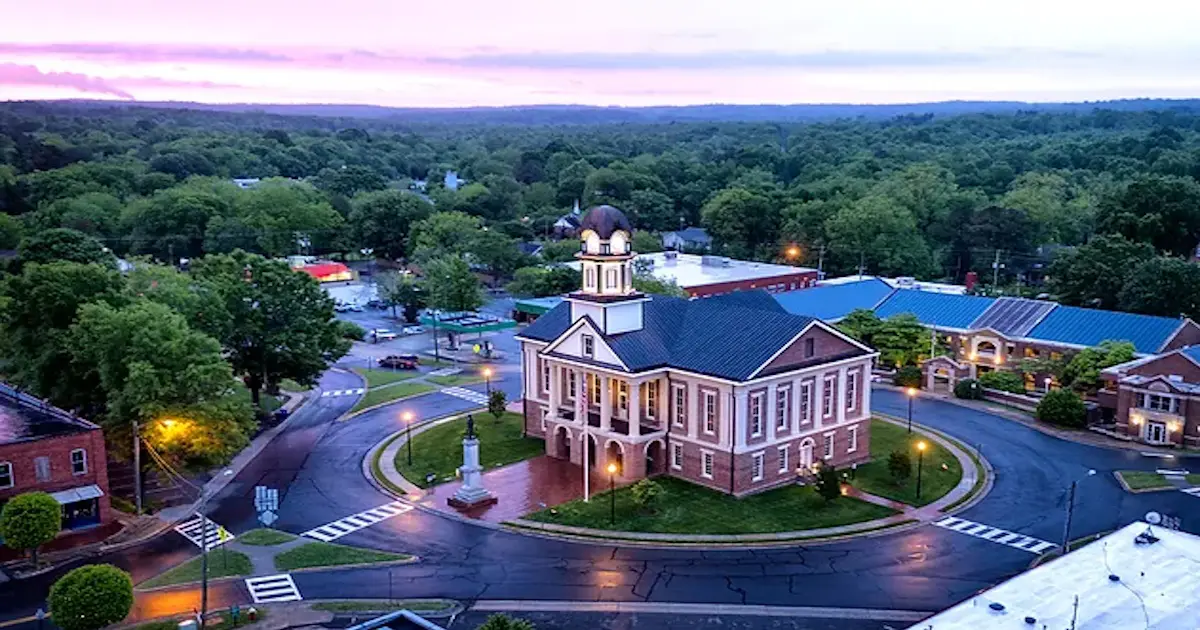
x=581, y=402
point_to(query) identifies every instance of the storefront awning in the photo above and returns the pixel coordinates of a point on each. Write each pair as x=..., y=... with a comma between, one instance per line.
x=75, y=495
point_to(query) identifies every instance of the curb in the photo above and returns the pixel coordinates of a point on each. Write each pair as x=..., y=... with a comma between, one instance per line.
x=230, y=578
x=349, y=415
x=973, y=496
x=1125, y=486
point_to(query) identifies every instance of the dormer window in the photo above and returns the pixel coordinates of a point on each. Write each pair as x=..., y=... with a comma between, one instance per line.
x=589, y=346
x=605, y=248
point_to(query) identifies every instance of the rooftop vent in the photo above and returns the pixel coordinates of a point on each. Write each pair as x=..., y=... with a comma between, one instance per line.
x=1112, y=577
x=715, y=261
x=996, y=606
x=906, y=282
x=1030, y=620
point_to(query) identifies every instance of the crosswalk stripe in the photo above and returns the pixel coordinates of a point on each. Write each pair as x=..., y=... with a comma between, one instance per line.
x=995, y=535
x=273, y=588
x=355, y=522
x=342, y=392
x=1192, y=491
x=193, y=530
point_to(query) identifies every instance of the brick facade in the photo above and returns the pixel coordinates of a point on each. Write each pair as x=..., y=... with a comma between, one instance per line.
x=58, y=449
x=773, y=284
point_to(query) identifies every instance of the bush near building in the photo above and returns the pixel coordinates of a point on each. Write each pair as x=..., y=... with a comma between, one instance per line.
x=968, y=389
x=907, y=376
x=91, y=597
x=1063, y=408
x=1004, y=381
x=29, y=521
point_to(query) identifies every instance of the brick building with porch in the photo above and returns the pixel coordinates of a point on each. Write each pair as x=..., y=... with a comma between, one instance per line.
x=1156, y=399
x=730, y=392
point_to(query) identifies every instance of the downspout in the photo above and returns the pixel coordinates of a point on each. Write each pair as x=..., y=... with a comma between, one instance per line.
x=732, y=437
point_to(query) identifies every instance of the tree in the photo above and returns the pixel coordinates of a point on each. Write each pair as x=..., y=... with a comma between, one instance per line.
x=91, y=597
x=443, y=233
x=899, y=465
x=1094, y=274
x=571, y=182
x=172, y=223
x=968, y=389
x=1004, y=381
x=276, y=323
x=907, y=376
x=504, y=622
x=63, y=244
x=1082, y=373
x=403, y=290
x=496, y=403
x=1164, y=286
x=350, y=180
x=497, y=253
x=881, y=235
x=646, y=242
x=29, y=521
x=351, y=331
x=1162, y=211
x=1062, y=407
x=862, y=324
x=561, y=251
x=739, y=221
x=202, y=435
x=646, y=494
x=648, y=283
x=650, y=210
x=277, y=218
x=383, y=221
x=95, y=214
x=829, y=485
x=10, y=232
x=543, y=281
x=901, y=340
x=451, y=286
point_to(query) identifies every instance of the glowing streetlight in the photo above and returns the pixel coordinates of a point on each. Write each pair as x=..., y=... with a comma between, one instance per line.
x=911, y=392
x=792, y=253
x=612, y=495
x=487, y=379
x=407, y=417
x=920, y=465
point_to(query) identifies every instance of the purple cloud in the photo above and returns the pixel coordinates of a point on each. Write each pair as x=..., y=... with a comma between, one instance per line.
x=145, y=53
x=14, y=74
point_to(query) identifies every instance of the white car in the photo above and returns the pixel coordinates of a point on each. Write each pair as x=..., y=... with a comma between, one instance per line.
x=380, y=334
x=413, y=330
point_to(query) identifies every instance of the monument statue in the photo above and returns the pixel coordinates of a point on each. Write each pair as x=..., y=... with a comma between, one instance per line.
x=470, y=426
x=472, y=493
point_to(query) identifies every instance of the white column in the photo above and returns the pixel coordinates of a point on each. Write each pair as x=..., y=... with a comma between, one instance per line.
x=796, y=393
x=694, y=407
x=555, y=388
x=818, y=394
x=865, y=410
x=605, y=403
x=664, y=402
x=839, y=403
x=738, y=423
x=635, y=408
x=772, y=410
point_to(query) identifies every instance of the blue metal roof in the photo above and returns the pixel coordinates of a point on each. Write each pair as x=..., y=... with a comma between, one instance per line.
x=1193, y=352
x=1088, y=327
x=941, y=310
x=834, y=301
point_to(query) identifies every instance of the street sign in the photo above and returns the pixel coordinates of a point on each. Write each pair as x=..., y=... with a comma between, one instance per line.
x=267, y=518
x=265, y=499
x=477, y=348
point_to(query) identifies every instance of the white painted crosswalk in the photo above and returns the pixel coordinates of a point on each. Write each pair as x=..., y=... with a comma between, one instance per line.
x=1192, y=491
x=350, y=524
x=467, y=395
x=342, y=392
x=194, y=530
x=446, y=372
x=273, y=588
x=995, y=534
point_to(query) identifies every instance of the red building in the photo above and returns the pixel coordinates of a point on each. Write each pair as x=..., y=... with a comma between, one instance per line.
x=45, y=449
x=1157, y=398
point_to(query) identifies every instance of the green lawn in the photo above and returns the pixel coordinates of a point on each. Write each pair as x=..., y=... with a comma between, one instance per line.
x=381, y=377
x=322, y=554
x=221, y=563
x=1143, y=479
x=369, y=605
x=439, y=450
x=686, y=508
x=1193, y=479
x=392, y=392
x=873, y=477
x=288, y=385
x=265, y=537
x=269, y=402
x=455, y=380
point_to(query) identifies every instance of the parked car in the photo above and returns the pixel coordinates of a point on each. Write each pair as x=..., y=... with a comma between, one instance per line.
x=380, y=334
x=413, y=330
x=400, y=361
x=356, y=307
x=376, y=304
x=341, y=307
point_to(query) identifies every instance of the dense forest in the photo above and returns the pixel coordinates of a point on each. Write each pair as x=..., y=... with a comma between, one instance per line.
x=920, y=194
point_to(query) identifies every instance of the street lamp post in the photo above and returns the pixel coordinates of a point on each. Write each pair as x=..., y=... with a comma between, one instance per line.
x=407, y=416
x=487, y=379
x=612, y=495
x=137, y=468
x=1071, y=510
x=912, y=393
x=920, y=466
x=204, y=552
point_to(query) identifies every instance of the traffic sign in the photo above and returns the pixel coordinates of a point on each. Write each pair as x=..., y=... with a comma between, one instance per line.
x=267, y=518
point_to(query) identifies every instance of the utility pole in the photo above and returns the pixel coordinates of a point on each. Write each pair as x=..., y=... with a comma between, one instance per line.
x=862, y=262
x=203, y=566
x=137, y=468
x=821, y=263
x=1070, y=513
x=996, y=271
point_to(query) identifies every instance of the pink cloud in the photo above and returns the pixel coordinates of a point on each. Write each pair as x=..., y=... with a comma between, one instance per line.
x=21, y=75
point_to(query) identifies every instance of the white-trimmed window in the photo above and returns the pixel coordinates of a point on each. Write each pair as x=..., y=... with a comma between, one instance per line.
x=571, y=385
x=623, y=396
x=680, y=405
x=853, y=446
x=851, y=390
x=612, y=280
x=593, y=389
x=783, y=397
x=1155, y=402
x=589, y=346
x=677, y=456
x=79, y=462
x=545, y=375
x=756, y=412
x=827, y=398
x=651, y=399
x=828, y=452
x=6, y=475
x=41, y=468
x=589, y=278
x=806, y=402
x=706, y=464
x=545, y=414
x=710, y=412
x=756, y=466
x=783, y=457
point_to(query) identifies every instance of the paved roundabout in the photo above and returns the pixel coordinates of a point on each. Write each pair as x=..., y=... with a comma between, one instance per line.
x=316, y=463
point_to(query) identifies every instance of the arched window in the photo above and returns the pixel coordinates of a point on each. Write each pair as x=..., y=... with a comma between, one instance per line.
x=589, y=281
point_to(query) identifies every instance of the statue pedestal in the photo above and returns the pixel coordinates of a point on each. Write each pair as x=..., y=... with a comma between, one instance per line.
x=472, y=493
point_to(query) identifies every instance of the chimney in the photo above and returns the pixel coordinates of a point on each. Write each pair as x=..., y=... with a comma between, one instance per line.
x=971, y=280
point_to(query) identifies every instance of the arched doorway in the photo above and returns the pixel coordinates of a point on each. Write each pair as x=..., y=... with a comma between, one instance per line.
x=562, y=443
x=942, y=380
x=614, y=454
x=655, y=459
x=806, y=454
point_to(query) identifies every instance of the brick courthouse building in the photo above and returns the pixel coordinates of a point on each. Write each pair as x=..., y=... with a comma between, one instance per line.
x=730, y=392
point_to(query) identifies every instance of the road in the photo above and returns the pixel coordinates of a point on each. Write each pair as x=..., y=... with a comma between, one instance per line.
x=316, y=463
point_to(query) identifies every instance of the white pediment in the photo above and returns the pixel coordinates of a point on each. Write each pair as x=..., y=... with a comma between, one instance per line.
x=572, y=343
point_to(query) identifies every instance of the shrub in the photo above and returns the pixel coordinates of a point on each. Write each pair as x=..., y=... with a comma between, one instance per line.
x=968, y=389
x=907, y=376
x=91, y=597
x=1004, y=381
x=30, y=520
x=829, y=485
x=646, y=494
x=899, y=465
x=350, y=330
x=1063, y=408
x=496, y=402
x=504, y=622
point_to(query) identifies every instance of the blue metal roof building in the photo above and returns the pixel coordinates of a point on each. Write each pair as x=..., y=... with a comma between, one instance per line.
x=832, y=302
x=1088, y=327
x=939, y=310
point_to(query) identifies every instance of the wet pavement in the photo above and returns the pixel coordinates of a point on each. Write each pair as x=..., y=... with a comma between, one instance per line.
x=521, y=488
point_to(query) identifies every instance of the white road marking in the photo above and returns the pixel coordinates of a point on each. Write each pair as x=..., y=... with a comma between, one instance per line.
x=273, y=588
x=342, y=392
x=1169, y=472
x=1192, y=491
x=194, y=529
x=467, y=395
x=355, y=522
x=1158, y=455
x=446, y=372
x=995, y=534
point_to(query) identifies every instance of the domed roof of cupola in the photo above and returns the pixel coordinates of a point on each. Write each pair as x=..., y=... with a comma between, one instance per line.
x=605, y=221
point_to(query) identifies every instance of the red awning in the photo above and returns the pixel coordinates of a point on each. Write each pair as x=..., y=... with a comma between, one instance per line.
x=324, y=270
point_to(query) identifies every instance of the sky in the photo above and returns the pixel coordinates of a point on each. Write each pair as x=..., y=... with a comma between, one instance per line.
x=409, y=53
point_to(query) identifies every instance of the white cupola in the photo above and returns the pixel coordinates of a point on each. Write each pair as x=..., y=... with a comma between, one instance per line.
x=606, y=260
